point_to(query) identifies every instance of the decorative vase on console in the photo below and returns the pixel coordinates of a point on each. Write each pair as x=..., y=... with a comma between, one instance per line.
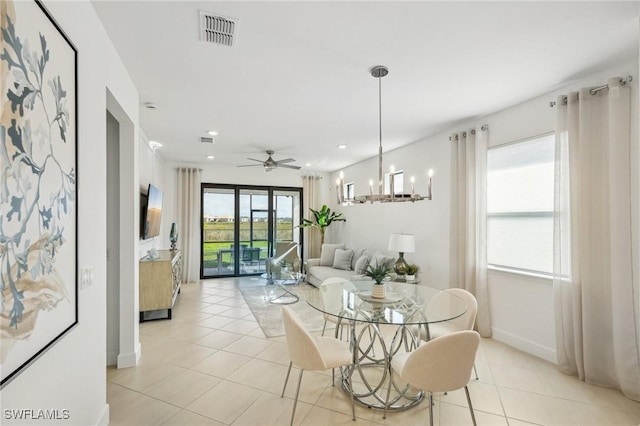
x=173, y=236
x=379, y=273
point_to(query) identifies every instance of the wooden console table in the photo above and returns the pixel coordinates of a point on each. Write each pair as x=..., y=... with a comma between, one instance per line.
x=160, y=281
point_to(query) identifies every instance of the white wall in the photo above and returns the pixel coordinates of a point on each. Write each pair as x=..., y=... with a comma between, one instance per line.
x=521, y=306
x=152, y=169
x=71, y=375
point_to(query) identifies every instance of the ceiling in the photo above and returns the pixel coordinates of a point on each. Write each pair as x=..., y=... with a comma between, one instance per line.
x=297, y=81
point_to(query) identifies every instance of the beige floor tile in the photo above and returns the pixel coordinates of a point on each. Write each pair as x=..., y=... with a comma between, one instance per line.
x=455, y=415
x=187, y=418
x=271, y=409
x=535, y=408
x=519, y=378
x=247, y=345
x=127, y=407
x=215, y=309
x=590, y=415
x=322, y=416
x=225, y=402
x=218, y=339
x=183, y=388
x=334, y=398
x=484, y=397
x=312, y=387
x=499, y=353
x=216, y=321
x=221, y=364
x=418, y=415
x=189, y=355
x=238, y=313
x=144, y=376
x=516, y=422
x=188, y=332
x=263, y=375
x=276, y=352
x=257, y=333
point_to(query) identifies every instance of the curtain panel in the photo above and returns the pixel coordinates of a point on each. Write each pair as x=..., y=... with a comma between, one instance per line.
x=311, y=199
x=188, y=199
x=468, y=233
x=595, y=313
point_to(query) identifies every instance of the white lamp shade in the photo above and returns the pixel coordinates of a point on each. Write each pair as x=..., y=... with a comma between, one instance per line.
x=403, y=243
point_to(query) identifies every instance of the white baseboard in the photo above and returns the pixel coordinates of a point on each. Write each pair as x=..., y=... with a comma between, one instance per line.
x=130, y=359
x=104, y=418
x=532, y=348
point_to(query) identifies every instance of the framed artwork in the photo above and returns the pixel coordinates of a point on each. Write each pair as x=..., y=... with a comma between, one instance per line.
x=38, y=185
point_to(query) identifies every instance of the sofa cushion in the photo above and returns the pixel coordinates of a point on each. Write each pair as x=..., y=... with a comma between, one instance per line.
x=328, y=252
x=361, y=264
x=342, y=259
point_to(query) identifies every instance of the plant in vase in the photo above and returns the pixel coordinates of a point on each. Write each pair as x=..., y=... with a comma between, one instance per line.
x=411, y=270
x=378, y=273
x=400, y=271
x=322, y=219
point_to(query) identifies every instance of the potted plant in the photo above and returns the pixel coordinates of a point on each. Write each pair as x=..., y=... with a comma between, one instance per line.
x=411, y=270
x=378, y=273
x=322, y=219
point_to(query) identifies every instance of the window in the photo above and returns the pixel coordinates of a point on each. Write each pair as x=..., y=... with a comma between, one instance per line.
x=349, y=191
x=520, y=205
x=398, y=182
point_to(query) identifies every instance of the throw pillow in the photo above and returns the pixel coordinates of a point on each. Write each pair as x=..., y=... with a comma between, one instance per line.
x=342, y=259
x=328, y=252
x=381, y=259
x=361, y=264
x=357, y=254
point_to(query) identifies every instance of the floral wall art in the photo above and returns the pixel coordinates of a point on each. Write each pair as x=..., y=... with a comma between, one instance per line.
x=38, y=185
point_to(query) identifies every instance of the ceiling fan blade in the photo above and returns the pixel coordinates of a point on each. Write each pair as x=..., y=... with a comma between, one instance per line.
x=286, y=160
x=253, y=159
x=289, y=167
x=250, y=165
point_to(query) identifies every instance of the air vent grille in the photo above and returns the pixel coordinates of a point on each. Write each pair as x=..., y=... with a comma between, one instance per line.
x=206, y=139
x=218, y=29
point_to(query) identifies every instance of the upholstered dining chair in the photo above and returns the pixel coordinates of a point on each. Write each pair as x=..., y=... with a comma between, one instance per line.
x=439, y=365
x=464, y=322
x=313, y=353
x=330, y=290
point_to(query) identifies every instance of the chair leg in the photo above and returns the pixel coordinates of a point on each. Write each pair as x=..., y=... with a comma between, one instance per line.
x=475, y=370
x=286, y=379
x=324, y=326
x=295, y=401
x=353, y=406
x=430, y=409
x=473, y=417
x=333, y=377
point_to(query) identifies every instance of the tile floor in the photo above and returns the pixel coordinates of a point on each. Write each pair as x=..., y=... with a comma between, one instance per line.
x=212, y=365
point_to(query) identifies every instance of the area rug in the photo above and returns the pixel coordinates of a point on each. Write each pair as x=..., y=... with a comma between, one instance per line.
x=269, y=315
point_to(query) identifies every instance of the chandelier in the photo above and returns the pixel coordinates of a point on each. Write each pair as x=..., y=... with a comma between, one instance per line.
x=378, y=72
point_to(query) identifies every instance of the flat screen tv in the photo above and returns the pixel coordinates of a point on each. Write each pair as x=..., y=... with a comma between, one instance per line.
x=152, y=213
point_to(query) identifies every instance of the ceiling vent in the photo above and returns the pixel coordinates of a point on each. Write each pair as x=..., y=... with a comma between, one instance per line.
x=206, y=139
x=217, y=29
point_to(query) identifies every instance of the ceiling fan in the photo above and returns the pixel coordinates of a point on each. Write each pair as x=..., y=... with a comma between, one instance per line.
x=270, y=164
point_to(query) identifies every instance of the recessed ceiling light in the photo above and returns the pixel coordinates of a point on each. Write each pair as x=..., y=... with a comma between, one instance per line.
x=213, y=133
x=154, y=144
x=308, y=164
x=150, y=105
x=342, y=146
x=210, y=157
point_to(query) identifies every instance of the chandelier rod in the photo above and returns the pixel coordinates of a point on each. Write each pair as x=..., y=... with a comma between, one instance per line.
x=380, y=178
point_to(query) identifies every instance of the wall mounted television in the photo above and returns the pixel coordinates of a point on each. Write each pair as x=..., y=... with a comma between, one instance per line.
x=151, y=208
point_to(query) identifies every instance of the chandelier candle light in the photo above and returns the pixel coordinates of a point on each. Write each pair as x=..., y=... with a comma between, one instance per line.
x=379, y=72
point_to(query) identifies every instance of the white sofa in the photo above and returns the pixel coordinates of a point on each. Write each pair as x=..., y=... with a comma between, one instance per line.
x=335, y=261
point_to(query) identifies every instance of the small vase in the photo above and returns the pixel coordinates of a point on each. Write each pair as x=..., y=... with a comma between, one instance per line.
x=379, y=291
x=410, y=278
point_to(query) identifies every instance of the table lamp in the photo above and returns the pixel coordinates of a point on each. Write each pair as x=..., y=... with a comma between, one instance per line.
x=402, y=243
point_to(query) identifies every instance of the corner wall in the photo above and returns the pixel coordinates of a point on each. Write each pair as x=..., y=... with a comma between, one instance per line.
x=522, y=312
x=72, y=375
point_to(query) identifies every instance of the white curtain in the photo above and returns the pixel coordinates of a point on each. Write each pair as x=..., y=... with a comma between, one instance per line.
x=468, y=234
x=596, y=315
x=188, y=199
x=311, y=199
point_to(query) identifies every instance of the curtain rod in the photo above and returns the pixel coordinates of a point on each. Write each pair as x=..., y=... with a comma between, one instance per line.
x=473, y=131
x=623, y=81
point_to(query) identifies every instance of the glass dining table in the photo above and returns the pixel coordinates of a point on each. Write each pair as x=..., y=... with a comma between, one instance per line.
x=381, y=328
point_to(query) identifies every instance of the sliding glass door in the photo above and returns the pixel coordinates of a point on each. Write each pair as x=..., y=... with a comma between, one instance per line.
x=241, y=224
